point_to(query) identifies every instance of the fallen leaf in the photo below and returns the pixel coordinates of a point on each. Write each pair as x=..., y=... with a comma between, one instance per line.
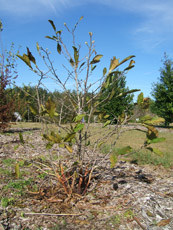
x=163, y=222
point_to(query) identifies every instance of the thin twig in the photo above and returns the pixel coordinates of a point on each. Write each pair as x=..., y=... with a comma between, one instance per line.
x=53, y=214
x=139, y=223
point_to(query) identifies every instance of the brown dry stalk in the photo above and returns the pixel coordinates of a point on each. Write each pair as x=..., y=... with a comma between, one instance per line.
x=139, y=223
x=53, y=214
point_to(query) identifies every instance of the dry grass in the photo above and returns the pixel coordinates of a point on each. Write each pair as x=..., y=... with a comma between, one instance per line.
x=133, y=138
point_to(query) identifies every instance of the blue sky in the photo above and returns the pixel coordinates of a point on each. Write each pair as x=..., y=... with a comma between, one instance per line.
x=143, y=28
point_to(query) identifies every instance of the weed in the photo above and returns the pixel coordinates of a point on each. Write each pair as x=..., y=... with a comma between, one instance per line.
x=8, y=161
x=5, y=201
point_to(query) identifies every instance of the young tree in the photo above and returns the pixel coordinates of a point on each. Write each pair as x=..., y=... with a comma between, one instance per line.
x=162, y=92
x=84, y=102
x=7, y=73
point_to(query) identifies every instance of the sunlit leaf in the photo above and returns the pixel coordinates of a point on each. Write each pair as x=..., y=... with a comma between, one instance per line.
x=129, y=67
x=50, y=107
x=104, y=71
x=76, y=55
x=79, y=117
x=52, y=24
x=106, y=116
x=152, y=133
x=30, y=56
x=126, y=59
x=156, y=151
x=25, y=58
x=106, y=123
x=114, y=63
x=81, y=18
x=78, y=127
x=113, y=160
x=140, y=99
x=96, y=59
x=38, y=47
x=155, y=121
x=69, y=148
x=17, y=170
x=69, y=137
x=156, y=140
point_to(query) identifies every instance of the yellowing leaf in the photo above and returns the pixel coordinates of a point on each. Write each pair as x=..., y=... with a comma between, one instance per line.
x=114, y=63
x=126, y=59
x=152, y=133
x=25, y=58
x=96, y=59
x=17, y=170
x=113, y=160
x=69, y=148
x=50, y=107
x=163, y=222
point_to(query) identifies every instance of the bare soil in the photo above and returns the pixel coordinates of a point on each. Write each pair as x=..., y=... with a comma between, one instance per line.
x=128, y=196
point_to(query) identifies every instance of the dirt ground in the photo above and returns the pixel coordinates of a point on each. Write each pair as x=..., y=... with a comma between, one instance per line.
x=127, y=196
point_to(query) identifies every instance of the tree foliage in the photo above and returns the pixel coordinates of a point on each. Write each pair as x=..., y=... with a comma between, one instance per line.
x=117, y=104
x=163, y=92
x=7, y=73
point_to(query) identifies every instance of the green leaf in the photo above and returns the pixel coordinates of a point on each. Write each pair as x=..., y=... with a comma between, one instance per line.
x=146, y=118
x=30, y=56
x=79, y=117
x=76, y=55
x=21, y=138
x=50, y=38
x=155, y=121
x=71, y=62
x=140, y=99
x=113, y=160
x=82, y=65
x=129, y=67
x=59, y=48
x=156, y=140
x=126, y=59
x=17, y=170
x=49, y=145
x=156, y=151
x=106, y=123
x=124, y=150
x=38, y=47
x=106, y=116
x=104, y=71
x=128, y=92
x=69, y=137
x=96, y=59
x=78, y=127
x=50, y=107
x=33, y=110
x=100, y=143
x=81, y=18
x=93, y=67
x=52, y=24
x=25, y=58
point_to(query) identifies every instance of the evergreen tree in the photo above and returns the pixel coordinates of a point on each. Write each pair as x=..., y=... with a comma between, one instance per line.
x=163, y=92
x=117, y=104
